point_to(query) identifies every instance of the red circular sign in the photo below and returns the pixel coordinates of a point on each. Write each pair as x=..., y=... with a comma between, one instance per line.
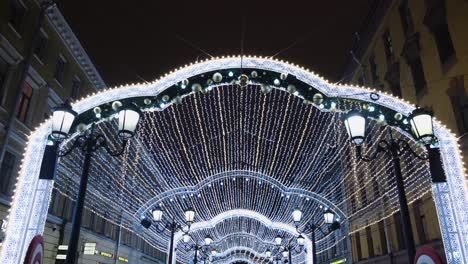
x=35, y=251
x=427, y=255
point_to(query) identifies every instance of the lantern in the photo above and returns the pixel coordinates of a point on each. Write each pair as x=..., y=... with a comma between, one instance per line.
x=62, y=120
x=355, y=123
x=129, y=115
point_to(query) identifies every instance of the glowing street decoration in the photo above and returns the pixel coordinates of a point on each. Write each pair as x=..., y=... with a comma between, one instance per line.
x=31, y=196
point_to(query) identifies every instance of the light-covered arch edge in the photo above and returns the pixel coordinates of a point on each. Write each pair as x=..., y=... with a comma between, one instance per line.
x=28, y=211
x=247, y=214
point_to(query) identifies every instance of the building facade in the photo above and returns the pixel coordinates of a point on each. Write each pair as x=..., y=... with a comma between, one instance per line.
x=415, y=50
x=59, y=69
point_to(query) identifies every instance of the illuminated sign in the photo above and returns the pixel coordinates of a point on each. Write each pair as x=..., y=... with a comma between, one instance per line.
x=338, y=261
x=62, y=247
x=105, y=254
x=123, y=259
x=89, y=248
x=61, y=256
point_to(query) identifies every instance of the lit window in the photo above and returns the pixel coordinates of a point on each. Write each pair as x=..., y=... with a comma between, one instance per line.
x=25, y=103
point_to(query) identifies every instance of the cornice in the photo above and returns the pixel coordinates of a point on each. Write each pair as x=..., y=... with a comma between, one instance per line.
x=72, y=43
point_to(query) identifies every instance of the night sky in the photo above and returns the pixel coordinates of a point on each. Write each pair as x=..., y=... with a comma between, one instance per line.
x=132, y=41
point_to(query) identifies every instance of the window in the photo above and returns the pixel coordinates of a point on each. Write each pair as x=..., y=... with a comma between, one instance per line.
x=4, y=66
x=459, y=100
x=25, y=102
x=358, y=245
x=436, y=20
x=373, y=68
x=76, y=88
x=370, y=242
x=444, y=42
x=388, y=46
x=383, y=237
x=40, y=48
x=398, y=230
x=6, y=172
x=419, y=80
x=60, y=69
x=17, y=15
x=420, y=221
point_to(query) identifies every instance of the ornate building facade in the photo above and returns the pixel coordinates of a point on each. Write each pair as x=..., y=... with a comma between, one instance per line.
x=59, y=69
x=415, y=50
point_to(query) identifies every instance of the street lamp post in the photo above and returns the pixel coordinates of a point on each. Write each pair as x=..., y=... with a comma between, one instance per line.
x=90, y=142
x=196, y=246
x=422, y=128
x=329, y=219
x=172, y=226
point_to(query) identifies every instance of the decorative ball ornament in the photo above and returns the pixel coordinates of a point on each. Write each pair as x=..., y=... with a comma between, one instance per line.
x=178, y=99
x=196, y=87
x=398, y=116
x=147, y=101
x=217, y=77
x=276, y=82
x=243, y=80
x=365, y=106
x=35, y=253
x=209, y=82
x=185, y=82
x=265, y=88
x=283, y=76
x=291, y=88
x=166, y=98
x=81, y=127
x=116, y=105
x=318, y=98
x=97, y=110
x=254, y=74
x=306, y=102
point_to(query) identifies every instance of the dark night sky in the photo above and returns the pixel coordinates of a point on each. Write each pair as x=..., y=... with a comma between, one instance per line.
x=127, y=39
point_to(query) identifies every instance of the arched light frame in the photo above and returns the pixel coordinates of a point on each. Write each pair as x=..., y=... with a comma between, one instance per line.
x=247, y=214
x=31, y=196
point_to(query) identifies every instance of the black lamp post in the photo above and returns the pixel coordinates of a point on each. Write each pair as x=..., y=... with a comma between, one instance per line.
x=422, y=128
x=196, y=247
x=172, y=226
x=329, y=219
x=90, y=142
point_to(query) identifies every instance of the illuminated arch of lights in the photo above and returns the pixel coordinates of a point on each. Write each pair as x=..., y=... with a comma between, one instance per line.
x=285, y=230
x=290, y=119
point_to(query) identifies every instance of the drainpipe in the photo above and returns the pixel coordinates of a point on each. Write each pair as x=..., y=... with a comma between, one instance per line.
x=44, y=5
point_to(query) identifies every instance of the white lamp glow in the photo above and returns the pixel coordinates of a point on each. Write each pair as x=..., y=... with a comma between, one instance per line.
x=208, y=240
x=157, y=214
x=297, y=216
x=421, y=125
x=355, y=123
x=189, y=215
x=129, y=116
x=268, y=253
x=329, y=216
x=62, y=120
x=301, y=240
x=285, y=253
x=186, y=238
x=278, y=240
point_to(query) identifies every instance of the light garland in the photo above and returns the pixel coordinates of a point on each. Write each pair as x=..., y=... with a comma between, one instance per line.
x=144, y=184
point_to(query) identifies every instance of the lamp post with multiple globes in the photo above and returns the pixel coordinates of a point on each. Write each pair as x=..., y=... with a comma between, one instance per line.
x=196, y=247
x=173, y=226
x=329, y=219
x=421, y=124
x=89, y=142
